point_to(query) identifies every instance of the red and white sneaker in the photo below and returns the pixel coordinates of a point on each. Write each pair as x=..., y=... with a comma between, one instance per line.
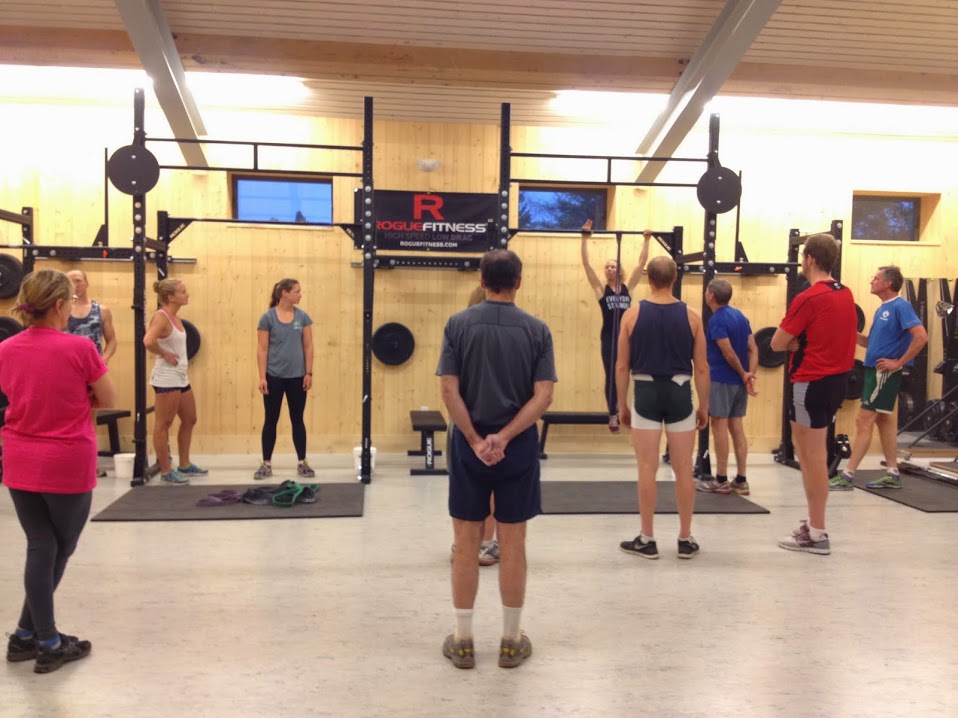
x=614, y=423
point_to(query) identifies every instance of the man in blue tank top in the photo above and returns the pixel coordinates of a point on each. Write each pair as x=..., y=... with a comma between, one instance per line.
x=897, y=336
x=661, y=347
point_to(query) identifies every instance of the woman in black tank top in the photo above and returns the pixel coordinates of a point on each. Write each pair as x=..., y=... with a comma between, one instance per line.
x=614, y=298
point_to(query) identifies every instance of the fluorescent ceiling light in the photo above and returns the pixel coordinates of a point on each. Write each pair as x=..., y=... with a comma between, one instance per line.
x=235, y=90
x=88, y=83
x=819, y=115
x=102, y=84
x=612, y=107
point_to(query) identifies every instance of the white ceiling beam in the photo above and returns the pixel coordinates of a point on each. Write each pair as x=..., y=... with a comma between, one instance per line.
x=154, y=44
x=723, y=48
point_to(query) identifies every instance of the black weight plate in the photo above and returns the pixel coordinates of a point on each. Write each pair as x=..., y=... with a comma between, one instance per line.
x=934, y=411
x=133, y=170
x=906, y=408
x=192, y=339
x=947, y=428
x=766, y=357
x=11, y=274
x=856, y=378
x=393, y=343
x=859, y=312
x=719, y=190
x=8, y=327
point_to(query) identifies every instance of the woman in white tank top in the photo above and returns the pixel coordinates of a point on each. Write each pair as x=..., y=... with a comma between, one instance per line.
x=166, y=337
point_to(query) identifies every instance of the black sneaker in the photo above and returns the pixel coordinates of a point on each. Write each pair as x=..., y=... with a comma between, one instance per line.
x=21, y=649
x=71, y=648
x=640, y=548
x=687, y=549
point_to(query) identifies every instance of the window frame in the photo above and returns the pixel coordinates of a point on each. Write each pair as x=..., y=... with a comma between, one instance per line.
x=606, y=190
x=318, y=179
x=926, y=205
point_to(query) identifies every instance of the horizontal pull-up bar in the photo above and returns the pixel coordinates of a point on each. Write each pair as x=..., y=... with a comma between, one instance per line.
x=612, y=232
x=173, y=220
x=311, y=173
x=349, y=148
x=624, y=158
x=579, y=183
x=16, y=217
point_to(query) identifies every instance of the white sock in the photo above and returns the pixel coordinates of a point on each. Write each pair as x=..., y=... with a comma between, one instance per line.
x=510, y=622
x=848, y=473
x=463, y=623
x=817, y=534
x=646, y=539
x=486, y=544
x=893, y=472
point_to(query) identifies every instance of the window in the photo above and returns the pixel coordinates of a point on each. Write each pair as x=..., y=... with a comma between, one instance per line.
x=886, y=218
x=282, y=199
x=542, y=208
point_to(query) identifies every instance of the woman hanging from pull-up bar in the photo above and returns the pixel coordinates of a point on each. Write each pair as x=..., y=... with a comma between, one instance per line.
x=614, y=298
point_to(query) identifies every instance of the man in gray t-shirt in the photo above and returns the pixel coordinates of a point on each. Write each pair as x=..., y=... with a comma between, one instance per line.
x=497, y=372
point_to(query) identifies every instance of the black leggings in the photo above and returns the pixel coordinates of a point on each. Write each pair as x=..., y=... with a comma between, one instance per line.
x=52, y=523
x=609, y=352
x=273, y=402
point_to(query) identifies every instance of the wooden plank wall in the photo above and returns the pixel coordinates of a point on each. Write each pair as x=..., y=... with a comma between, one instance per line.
x=53, y=162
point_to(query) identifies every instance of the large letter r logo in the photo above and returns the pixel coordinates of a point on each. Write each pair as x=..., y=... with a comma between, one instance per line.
x=431, y=203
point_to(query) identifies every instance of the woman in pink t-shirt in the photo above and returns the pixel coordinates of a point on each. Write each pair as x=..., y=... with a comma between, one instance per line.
x=52, y=380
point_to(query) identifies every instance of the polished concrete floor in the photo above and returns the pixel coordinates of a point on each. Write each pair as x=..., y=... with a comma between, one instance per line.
x=345, y=617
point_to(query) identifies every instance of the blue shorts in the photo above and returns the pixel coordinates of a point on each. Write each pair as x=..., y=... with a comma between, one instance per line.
x=514, y=481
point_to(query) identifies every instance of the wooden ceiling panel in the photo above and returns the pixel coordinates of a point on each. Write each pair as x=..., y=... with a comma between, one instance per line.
x=447, y=59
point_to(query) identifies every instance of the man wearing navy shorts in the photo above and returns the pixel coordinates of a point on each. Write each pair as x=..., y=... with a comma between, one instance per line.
x=497, y=373
x=819, y=330
x=896, y=338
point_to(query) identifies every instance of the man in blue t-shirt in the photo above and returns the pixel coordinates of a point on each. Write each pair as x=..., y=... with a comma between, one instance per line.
x=896, y=338
x=733, y=357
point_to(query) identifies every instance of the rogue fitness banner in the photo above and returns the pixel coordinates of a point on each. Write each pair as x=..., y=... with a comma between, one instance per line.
x=434, y=221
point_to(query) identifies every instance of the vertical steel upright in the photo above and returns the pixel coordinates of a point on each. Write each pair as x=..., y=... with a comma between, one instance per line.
x=368, y=229
x=501, y=238
x=140, y=463
x=703, y=463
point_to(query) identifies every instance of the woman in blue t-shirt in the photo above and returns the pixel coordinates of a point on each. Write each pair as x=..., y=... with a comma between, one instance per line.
x=284, y=355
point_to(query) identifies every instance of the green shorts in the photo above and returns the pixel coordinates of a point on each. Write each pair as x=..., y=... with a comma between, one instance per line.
x=880, y=390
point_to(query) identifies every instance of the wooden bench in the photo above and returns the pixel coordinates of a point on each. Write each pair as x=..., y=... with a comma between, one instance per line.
x=568, y=417
x=109, y=418
x=427, y=423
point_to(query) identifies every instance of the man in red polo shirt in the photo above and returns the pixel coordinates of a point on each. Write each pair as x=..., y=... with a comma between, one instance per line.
x=819, y=329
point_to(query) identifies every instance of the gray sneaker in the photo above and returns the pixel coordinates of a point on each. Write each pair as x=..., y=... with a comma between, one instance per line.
x=304, y=469
x=489, y=554
x=461, y=653
x=801, y=540
x=264, y=471
x=711, y=486
x=512, y=653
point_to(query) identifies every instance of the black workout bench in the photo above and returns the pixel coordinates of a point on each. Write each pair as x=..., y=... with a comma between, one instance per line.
x=109, y=418
x=427, y=423
x=568, y=417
